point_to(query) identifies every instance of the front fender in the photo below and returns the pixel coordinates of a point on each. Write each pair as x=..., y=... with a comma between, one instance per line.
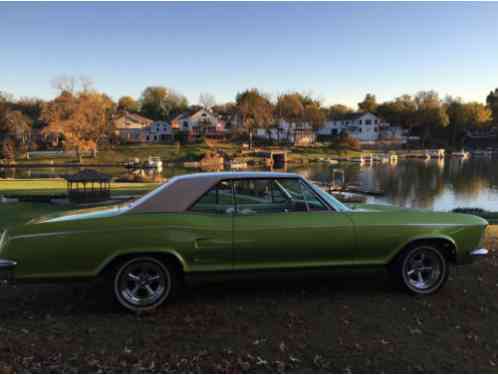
x=420, y=238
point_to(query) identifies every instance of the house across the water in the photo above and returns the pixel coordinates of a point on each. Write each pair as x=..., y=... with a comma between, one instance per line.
x=366, y=127
x=297, y=134
x=199, y=123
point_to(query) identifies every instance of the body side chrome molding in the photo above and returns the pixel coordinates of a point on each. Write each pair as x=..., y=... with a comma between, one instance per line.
x=7, y=264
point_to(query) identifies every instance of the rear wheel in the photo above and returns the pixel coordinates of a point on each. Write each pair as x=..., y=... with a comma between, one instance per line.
x=422, y=269
x=143, y=283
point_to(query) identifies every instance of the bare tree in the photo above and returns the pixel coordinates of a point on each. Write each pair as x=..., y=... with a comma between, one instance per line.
x=207, y=100
x=86, y=83
x=72, y=84
x=64, y=83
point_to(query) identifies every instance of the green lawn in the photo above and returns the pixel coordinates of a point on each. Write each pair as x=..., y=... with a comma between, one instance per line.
x=191, y=152
x=17, y=213
x=122, y=153
x=58, y=186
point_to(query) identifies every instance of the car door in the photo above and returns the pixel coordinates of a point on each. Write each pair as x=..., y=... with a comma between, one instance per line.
x=206, y=230
x=282, y=223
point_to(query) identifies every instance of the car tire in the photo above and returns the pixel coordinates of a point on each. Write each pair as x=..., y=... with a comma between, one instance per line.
x=143, y=283
x=420, y=270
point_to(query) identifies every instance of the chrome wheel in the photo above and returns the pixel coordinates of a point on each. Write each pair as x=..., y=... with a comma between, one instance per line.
x=424, y=270
x=142, y=283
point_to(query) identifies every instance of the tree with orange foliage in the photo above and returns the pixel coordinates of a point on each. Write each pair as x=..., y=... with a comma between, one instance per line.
x=83, y=120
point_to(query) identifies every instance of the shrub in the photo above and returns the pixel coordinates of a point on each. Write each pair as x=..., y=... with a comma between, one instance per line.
x=9, y=149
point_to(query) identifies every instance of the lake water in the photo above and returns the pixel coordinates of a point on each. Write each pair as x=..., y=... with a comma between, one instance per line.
x=436, y=184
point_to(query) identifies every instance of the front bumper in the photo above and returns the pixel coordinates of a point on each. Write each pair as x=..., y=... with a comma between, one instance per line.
x=7, y=270
x=479, y=252
x=471, y=256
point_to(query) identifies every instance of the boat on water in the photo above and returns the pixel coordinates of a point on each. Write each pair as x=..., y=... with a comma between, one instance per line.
x=236, y=164
x=460, y=154
x=154, y=162
x=362, y=159
x=381, y=158
x=482, y=153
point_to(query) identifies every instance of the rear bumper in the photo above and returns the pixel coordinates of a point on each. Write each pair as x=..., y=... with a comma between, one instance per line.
x=7, y=270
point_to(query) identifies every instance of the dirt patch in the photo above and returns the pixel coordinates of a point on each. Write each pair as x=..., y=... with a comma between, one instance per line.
x=332, y=324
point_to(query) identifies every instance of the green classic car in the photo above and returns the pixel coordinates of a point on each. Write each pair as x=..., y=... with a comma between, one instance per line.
x=211, y=222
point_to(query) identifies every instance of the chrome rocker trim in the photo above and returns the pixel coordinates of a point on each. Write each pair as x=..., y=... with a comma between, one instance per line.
x=6, y=268
x=479, y=252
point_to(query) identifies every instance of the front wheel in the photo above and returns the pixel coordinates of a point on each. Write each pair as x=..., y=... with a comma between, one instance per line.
x=421, y=269
x=143, y=283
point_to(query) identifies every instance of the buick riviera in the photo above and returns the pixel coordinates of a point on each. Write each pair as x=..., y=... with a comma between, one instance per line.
x=218, y=222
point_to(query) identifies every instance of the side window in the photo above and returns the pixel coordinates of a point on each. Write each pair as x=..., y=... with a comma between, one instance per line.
x=254, y=196
x=312, y=200
x=260, y=196
x=292, y=188
x=218, y=200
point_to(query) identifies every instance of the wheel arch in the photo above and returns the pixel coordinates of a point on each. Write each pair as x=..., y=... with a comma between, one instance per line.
x=170, y=256
x=446, y=244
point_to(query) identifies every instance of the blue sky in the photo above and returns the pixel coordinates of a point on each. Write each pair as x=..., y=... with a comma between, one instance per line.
x=337, y=51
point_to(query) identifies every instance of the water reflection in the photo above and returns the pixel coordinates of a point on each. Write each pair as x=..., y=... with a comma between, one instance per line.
x=434, y=184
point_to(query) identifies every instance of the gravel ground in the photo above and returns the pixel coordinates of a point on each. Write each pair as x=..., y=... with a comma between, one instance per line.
x=333, y=324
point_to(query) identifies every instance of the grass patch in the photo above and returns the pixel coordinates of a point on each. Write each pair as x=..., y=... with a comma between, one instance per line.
x=189, y=152
x=17, y=213
x=58, y=187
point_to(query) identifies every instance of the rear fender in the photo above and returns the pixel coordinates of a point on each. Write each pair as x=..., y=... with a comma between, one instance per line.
x=128, y=253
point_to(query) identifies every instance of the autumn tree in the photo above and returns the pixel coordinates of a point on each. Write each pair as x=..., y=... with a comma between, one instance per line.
x=478, y=115
x=465, y=116
x=162, y=103
x=8, y=148
x=128, y=104
x=31, y=108
x=255, y=110
x=338, y=112
x=290, y=108
x=492, y=102
x=314, y=116
x=369, y=104
x=82, y=120
x=430, y=114
x=456, y=117
x=15, y=128
x=401, y=111
x=16, y=124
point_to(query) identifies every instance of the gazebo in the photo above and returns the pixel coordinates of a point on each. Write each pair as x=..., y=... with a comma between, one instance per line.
x=88, y=185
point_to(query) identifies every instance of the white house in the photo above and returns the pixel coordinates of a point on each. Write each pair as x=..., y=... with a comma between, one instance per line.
x=201, y=122
x=299, y=134
x=394, y=133
x=364, y=126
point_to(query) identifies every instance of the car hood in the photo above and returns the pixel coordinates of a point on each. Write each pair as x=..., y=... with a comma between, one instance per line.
x=83, y=214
